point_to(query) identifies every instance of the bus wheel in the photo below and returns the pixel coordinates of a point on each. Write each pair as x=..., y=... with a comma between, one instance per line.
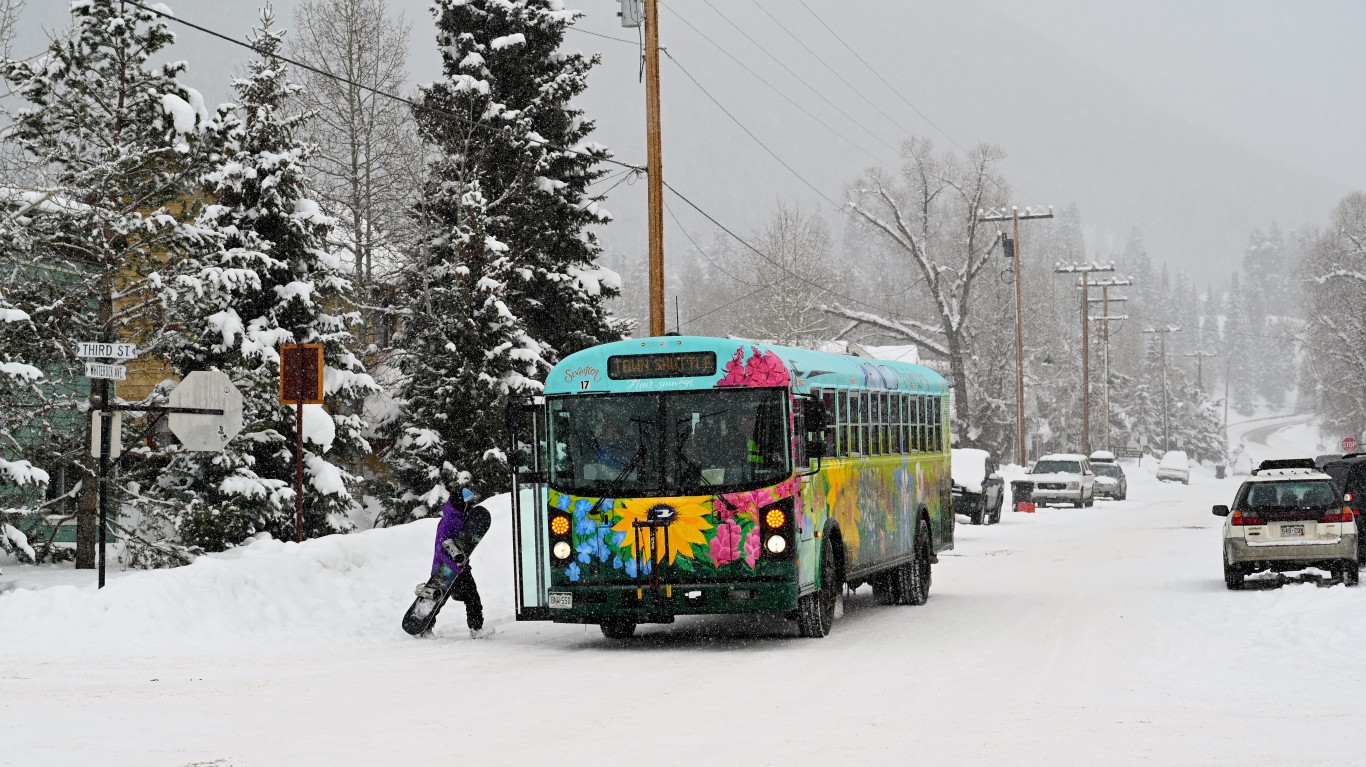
x=918, y=576
x=884, y=588
x=618, y=629
x=816, y=612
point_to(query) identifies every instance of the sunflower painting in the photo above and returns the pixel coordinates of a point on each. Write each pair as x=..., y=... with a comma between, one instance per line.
x=688, y=529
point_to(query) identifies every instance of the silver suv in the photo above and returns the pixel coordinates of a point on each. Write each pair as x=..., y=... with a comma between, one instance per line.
x=1288, y=519
x=1057, y=478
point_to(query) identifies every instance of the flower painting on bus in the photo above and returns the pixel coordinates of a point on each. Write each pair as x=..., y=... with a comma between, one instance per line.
x=704, y=532
x=762, y=369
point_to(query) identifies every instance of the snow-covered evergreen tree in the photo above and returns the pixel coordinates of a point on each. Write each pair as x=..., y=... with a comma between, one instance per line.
x=505, y=281
x=15, y=471
x=270, y=283
x=120, y=140
x=528, y=146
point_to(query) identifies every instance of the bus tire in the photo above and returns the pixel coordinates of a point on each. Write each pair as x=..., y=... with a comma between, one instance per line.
x=618, y=629
x=918, y=576
x=816, y=611
x=884, y=587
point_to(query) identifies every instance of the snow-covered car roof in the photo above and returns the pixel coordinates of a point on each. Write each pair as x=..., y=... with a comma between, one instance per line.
x=1064, y=457
x=968, y=467
x=1103, y=455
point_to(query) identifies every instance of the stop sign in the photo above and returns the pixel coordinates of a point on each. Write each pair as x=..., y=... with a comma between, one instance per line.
x=208, y=390
x=1349, y=444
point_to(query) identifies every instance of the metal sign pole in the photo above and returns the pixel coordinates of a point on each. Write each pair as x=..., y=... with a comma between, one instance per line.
x=299, y=473
x=106, y=431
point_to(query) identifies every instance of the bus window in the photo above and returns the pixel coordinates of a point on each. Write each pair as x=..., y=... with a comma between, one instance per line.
x=847, y=424
x=831, y=423
x=919, y=424
x=902, y=442
x=874, y=423
x=894, y=424
x=863, y=442
x=937, y=433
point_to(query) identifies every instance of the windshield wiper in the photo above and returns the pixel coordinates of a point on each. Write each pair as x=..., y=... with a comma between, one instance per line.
x=614, y=488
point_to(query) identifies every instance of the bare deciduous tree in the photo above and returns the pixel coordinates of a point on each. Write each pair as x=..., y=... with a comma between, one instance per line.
x=367, y=142
x=797, y=272
x=929, y=215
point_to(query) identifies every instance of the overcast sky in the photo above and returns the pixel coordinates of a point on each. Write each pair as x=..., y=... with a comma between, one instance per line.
x=1196, y=121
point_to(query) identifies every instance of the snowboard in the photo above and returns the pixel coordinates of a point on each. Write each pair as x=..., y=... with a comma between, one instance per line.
x=458, y=532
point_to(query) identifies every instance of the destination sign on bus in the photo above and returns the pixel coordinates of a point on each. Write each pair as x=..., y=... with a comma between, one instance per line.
x=677, y=365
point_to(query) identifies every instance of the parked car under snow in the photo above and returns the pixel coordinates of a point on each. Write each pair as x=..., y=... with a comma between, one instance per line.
x=978, y=490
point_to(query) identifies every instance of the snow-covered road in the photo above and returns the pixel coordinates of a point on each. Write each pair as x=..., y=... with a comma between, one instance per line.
x=1097, y=636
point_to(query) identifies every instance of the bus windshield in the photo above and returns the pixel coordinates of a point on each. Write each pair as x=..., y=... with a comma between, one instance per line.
x=684, y=443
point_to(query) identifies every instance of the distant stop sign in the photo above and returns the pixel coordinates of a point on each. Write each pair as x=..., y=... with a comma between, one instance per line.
x=1350, y=444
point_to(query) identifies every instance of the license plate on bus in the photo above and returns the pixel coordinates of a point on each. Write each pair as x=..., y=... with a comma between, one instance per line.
x=1292, y=531
x=561, y=600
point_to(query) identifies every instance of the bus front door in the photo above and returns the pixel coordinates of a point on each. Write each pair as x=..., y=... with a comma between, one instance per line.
x=530, y=536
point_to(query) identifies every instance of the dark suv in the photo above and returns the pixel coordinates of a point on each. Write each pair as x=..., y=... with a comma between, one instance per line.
x=1349, y=477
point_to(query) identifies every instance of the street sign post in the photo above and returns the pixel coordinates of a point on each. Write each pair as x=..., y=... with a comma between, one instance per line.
x=1350, y=444
x=103, y=427
x=301, y=383
x=205, y=390
x=101, y=350
x=100, y=370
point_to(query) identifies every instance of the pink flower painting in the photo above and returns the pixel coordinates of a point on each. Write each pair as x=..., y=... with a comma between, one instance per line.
x=761, y=369
x=752, y=547
x=725, y=547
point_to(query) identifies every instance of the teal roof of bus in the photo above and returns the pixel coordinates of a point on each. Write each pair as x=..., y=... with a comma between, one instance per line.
x=585, y=372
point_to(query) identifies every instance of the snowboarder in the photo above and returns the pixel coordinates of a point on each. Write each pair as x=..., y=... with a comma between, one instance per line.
x=463, y=523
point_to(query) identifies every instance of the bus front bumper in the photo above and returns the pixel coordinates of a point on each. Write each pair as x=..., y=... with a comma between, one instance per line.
x=637, y=603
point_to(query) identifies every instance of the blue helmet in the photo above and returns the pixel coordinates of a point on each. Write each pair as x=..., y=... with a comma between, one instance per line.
x=468, y=495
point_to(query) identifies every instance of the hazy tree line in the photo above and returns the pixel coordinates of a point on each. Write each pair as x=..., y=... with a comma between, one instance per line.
x=440, y=253
x=907, y=262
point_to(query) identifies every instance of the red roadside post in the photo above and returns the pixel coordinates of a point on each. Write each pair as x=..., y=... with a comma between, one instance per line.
x=301, y=383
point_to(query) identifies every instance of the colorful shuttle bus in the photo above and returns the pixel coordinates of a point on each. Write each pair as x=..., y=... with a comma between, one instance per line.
x=685, y=475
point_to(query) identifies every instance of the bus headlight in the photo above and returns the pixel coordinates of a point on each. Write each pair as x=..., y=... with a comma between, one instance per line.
x=562, y=550
x=776, y=544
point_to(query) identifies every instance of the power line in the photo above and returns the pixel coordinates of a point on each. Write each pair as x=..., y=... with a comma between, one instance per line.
x=879, y=76
x=729, y=304
x=768, y=258
x=635, y=43
x=783, y=95
x=789, y=70
x=354, y=84
x=825, y=64
x=699, y=249
x=750, y=133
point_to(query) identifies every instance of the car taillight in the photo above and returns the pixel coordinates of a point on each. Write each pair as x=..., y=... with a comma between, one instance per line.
x=1239, y=519
x=1346, y=515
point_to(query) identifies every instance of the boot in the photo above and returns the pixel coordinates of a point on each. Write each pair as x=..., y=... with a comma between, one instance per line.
x=483, y=633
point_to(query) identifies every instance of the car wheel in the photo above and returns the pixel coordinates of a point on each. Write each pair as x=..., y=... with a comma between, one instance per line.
x=1350, y=575
x=618, y=629
x=816, y=612
x=1233, y=576
x=980, y=518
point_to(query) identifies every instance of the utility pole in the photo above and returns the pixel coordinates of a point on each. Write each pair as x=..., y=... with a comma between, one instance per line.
x=1012, y=248
x=1083, y=270
x=1166, y=426
x=1200, y=357
x=654, y=167
x=1105, y=319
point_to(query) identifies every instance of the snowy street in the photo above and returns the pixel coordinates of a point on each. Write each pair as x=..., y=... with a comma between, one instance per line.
x=1070, y=636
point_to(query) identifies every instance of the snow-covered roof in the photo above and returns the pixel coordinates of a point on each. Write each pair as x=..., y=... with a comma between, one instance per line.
x=1271, y=475
x=1063, y=457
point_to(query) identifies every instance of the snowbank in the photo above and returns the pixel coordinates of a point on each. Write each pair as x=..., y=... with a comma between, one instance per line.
x=340, y=589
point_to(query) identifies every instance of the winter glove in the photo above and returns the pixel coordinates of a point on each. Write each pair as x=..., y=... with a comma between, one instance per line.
x=454, y=551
